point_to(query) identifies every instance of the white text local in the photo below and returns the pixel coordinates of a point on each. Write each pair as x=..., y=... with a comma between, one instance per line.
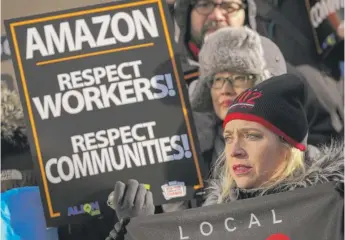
x=229, y=225
x=62, y=38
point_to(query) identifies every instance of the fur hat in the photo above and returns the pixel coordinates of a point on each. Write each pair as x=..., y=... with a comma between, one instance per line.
x=277, y=104
x=239, y=50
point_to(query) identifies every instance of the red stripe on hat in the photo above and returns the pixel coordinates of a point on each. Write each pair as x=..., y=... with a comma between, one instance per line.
x=270, y=126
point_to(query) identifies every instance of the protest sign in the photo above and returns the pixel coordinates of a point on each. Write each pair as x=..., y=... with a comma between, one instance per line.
x=310, y=213
x=22, y=8
x=327, y=20
x=105, y=100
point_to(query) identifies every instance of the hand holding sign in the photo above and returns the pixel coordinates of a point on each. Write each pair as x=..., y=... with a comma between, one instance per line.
x=131, y=200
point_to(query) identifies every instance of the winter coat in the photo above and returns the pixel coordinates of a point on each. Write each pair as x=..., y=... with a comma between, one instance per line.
x=206, y=123
x=322, y=108
x=327, y=166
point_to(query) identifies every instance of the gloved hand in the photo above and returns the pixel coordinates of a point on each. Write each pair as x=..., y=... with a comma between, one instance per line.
x=131, y=200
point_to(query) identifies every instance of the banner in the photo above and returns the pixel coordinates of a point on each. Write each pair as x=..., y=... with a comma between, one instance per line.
x=327, y=20
x=105, y=100
x=304, y=214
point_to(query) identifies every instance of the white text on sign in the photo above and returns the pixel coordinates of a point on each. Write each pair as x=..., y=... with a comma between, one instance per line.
x=116, y=149
x=63, y=38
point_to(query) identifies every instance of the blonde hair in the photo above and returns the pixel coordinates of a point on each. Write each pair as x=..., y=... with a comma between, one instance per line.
x=293, y=168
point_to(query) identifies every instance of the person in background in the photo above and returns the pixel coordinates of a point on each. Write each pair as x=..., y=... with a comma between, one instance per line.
x=16, y=163
x=18, y=180
x=265, y=131
x=231, y=60
x=266, y=151
x=198, y=18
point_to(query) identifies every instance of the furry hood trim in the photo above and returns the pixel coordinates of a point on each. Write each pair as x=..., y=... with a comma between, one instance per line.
x=327, y=166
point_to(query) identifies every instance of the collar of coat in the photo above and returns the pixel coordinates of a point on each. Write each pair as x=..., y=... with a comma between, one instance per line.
x=327, y=166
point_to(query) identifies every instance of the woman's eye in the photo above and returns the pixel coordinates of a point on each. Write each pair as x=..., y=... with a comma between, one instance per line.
x=227, y=139
x=253, y=136
x=204, y=4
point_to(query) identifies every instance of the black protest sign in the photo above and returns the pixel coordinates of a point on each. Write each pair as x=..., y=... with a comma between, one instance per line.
x=311, y=213
x=105, y=100
x=327, y=21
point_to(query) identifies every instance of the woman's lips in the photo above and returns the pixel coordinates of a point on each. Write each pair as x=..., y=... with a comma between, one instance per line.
x=226, y=103
x=241, y=169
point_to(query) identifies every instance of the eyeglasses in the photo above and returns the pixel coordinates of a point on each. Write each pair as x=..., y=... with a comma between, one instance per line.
x=205, y=7
x=237, y=81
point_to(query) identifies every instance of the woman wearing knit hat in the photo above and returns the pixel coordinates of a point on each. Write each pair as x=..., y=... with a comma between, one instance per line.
x=265, y=130
x=231, y=60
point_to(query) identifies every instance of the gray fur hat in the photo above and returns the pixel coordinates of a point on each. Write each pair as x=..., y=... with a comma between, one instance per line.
x=239, y=50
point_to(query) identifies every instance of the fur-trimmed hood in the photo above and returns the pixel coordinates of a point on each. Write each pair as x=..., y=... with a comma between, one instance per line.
x=13, y=130
x=326, y=166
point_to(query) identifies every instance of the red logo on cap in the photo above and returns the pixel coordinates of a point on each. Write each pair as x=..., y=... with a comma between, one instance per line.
x=249, y=97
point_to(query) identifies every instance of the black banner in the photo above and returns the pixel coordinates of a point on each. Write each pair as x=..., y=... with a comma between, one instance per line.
x=314, y=213
x=327, y=20
x=105, y=100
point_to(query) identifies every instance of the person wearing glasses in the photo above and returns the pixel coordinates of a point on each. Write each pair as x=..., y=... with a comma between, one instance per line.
x=197, y=18
x=231, y=61
x=255, y=104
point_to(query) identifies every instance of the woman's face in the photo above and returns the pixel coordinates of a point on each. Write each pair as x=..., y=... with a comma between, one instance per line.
x=223, y=92
x=253, y=153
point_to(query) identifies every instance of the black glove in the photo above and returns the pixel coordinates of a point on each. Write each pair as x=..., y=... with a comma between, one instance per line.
x=131, y=200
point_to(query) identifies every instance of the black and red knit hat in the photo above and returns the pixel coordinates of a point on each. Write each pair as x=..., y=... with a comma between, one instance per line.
x=277, y=104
